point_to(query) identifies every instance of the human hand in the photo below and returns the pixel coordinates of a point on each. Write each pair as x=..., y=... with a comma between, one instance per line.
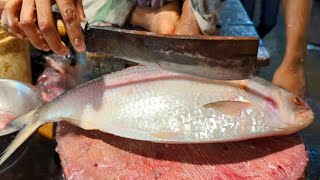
x=33, y=20
x=161, y=20
x=291, y=77
x=187, y=24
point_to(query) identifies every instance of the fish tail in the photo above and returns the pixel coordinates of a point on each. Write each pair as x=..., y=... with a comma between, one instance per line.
x=29, y=125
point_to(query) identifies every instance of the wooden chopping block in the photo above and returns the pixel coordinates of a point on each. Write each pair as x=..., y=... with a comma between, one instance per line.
x=97, y=155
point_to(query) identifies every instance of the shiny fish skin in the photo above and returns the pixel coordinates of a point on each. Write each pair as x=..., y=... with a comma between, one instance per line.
x=154, y=105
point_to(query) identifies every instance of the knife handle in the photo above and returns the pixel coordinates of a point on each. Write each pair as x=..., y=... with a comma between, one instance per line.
x=61, y=28
x=64, y=37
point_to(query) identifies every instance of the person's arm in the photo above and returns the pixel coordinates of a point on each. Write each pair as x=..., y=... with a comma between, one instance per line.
x=290, y=74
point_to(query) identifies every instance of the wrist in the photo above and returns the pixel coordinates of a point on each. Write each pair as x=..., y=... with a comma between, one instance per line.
x=295, y=47
x=292, y=68
x=292, y=64
x=293, y=59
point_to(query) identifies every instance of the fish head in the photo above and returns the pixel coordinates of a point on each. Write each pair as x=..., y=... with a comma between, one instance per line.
x=303, y=113
x=295, y=114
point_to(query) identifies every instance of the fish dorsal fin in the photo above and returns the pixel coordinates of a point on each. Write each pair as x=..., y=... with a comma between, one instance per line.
x=229, y=108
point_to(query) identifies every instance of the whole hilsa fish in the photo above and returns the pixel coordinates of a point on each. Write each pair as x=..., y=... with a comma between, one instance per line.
x=159, y=106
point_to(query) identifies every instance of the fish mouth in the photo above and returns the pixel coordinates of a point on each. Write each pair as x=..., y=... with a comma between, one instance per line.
x=304, y=118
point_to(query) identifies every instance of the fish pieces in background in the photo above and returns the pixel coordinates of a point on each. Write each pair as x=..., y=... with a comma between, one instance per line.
x=58, y=77
x=154, y=105
x=5, y=118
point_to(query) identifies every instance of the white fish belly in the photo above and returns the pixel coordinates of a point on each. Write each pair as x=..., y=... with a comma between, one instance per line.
x=172, y=111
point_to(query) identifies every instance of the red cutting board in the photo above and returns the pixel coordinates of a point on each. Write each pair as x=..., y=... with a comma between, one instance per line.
x=97, y=155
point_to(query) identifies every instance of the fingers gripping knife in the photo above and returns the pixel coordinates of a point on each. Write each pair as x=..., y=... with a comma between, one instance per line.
x=82, y=65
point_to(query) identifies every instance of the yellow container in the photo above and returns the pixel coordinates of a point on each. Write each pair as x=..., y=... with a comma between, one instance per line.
x=15, y=60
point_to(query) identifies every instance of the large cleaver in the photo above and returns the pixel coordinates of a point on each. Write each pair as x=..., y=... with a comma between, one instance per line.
x=213, y=57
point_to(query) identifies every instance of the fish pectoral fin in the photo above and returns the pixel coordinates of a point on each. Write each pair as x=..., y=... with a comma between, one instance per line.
x=20, y=122
x=230, y=108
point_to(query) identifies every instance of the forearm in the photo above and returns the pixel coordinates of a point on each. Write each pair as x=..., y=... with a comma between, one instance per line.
x=297, y=14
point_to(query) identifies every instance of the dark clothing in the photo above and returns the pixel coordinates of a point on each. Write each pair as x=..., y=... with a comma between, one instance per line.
x=268, y=17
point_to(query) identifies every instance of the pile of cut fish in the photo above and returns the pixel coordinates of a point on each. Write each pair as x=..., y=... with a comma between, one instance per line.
x=155, y=105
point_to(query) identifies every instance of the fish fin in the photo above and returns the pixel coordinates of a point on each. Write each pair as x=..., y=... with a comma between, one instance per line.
x=230, y=108
x=20, y=121
x=29, y=125
x=165, y=135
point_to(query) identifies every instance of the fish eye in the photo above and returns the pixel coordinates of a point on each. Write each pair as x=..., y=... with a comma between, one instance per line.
x=296, y=100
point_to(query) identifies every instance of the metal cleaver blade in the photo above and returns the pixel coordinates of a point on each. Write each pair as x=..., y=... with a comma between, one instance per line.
x=213, y=57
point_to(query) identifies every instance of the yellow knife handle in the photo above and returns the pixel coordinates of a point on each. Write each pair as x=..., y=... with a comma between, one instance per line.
x=46, y=131
x=61, y=28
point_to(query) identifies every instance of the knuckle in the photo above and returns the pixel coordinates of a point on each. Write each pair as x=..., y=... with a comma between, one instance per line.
x=70, y=14
x=57, y=49
x=14, y=25
x=36, y=45
x=45, y=27
x=26, y=22
x=36, y=42
x=7, y=6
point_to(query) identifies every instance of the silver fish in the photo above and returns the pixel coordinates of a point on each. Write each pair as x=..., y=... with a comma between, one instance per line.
x=155, y=105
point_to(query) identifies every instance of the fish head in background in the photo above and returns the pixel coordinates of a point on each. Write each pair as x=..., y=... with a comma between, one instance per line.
x=294, y=113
